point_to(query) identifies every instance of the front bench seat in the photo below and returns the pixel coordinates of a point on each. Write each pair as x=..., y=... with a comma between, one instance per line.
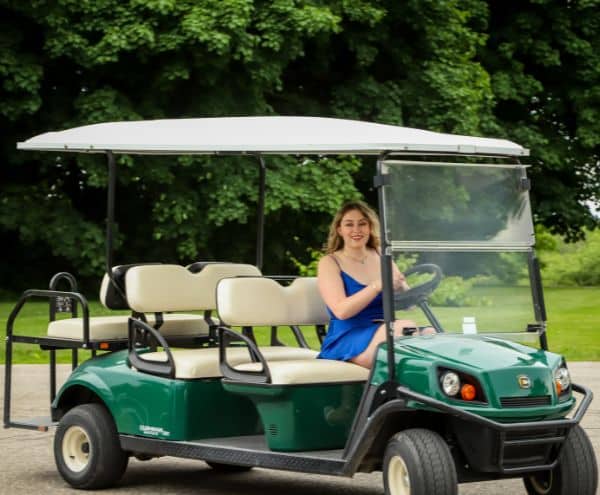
x=256, y=301
x=304, y=371
x=303, y=404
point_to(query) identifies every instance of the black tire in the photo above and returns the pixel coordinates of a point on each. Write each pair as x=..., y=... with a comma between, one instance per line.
x=227, y=468
x=576, y=472
x=418, y=462
x=86, y=448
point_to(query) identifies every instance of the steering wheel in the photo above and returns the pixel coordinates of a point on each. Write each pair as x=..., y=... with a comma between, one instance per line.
x=418, y=293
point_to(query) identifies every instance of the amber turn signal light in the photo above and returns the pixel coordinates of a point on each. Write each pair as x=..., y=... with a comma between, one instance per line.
x=467, y=392
x=558, y=388
x=104, y=345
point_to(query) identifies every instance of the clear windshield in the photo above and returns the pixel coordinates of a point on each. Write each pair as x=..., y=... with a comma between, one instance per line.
x=478, y=292
x=474, y=224
x=458, y=204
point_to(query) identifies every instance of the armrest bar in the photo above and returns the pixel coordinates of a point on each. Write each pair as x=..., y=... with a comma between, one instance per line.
x=226, y=335
x=165, y=368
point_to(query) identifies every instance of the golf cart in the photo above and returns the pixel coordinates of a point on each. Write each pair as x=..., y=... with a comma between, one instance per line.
x=183, y=376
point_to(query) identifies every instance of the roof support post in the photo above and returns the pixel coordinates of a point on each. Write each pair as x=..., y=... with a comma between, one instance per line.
x=260, y=214
x=386, y=270
x=110, y=211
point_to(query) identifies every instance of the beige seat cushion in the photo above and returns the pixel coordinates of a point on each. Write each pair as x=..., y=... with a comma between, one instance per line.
x=204, y=363
x=154, y=288
x=116, y=327
x=310, y=371
x=256, y=301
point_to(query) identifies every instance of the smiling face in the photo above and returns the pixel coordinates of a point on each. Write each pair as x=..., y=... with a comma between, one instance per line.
x=354, y=229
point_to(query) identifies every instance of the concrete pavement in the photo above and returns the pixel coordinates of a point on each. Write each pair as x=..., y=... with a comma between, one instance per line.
x=27, y=462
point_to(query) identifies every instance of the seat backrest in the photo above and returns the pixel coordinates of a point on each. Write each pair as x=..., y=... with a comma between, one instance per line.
x=110, y=296
x=254, y=301
x=160, y=288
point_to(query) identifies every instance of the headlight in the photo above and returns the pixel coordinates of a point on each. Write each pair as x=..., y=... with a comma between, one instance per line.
x=460, y=386
x=562, y=379
x=450, y=383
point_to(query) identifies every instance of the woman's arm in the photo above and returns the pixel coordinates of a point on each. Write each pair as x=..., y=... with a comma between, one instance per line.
x=332, y=290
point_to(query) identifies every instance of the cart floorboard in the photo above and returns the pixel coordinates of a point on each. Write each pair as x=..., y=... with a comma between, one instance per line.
x=250, y=450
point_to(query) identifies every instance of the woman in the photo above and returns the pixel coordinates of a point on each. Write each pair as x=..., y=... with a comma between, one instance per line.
x=349, y=278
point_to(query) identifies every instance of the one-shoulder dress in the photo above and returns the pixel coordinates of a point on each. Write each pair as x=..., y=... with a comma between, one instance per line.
x=348, y=338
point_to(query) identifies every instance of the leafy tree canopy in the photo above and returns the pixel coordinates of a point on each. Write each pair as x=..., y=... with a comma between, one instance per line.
x=525, y=70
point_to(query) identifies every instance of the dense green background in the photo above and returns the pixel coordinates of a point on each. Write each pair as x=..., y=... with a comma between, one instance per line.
x=525, y=70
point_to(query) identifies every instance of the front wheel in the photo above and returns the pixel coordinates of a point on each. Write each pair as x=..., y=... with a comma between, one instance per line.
x=418, y=462
x=575, y=473
x=86, y=448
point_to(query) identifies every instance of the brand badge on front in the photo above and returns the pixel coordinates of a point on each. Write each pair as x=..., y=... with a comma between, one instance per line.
x=524, y=381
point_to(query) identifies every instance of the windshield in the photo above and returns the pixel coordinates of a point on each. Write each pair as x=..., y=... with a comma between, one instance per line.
x=473, y=224
x=458, y=205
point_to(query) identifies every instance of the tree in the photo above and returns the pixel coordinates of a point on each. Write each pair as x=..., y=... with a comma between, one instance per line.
x=416, y=63
x=71, y=63
x=543, y=57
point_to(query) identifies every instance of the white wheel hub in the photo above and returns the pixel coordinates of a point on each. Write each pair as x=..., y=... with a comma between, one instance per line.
x=76, y=448
x=398, y=478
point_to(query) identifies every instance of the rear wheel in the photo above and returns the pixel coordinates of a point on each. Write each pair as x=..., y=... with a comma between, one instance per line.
x=575, y=474
x=86, y=448
x=418, y=462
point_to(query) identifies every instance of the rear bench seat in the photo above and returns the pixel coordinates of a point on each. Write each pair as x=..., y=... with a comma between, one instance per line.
x=204, y=363
x=156, y=288
x=304, y=404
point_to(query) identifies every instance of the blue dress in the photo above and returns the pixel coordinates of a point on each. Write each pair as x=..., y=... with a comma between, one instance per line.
x=347, y=338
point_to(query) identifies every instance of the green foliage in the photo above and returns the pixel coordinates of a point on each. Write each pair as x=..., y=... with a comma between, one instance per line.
x=452, y=291
x=544, y=64
x=524, y=70
x=405, y=261
x=510, y=269
x=571, y=264
x=308, y=269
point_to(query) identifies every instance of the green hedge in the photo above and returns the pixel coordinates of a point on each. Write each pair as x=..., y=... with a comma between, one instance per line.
x=569, y=264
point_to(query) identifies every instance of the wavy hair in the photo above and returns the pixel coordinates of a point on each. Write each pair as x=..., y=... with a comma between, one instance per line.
x=335, y=242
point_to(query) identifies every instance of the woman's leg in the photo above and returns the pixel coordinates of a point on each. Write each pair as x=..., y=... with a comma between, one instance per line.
x=365, y=358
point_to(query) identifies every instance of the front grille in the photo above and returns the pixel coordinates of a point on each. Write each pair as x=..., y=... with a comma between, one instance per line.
x=540, y=400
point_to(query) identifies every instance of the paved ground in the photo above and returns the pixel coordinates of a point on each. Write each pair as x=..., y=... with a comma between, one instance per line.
x=27, y=465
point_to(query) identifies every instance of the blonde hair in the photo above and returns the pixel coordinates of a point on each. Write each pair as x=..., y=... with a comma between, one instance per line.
x=335, y=242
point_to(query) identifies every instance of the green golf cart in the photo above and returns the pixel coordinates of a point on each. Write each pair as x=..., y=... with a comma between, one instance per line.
x=185, y=376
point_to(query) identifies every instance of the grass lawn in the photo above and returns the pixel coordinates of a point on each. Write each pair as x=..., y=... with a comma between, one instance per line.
x=573, y=323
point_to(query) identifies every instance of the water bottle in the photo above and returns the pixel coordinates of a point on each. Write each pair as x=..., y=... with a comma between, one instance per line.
x=468, y=325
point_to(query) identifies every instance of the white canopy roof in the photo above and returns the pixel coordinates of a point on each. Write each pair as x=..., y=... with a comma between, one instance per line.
x=282, y=135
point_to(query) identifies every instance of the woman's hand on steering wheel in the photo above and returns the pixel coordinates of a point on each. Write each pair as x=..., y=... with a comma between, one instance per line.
x=399, y=282
x=414, y=295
